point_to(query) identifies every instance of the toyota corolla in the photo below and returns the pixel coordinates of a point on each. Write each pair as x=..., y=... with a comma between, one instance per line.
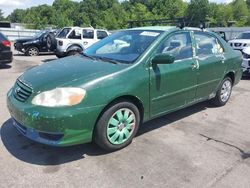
x=126, y=79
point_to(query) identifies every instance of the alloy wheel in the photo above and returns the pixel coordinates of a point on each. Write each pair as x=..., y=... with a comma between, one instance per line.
x=226, y=91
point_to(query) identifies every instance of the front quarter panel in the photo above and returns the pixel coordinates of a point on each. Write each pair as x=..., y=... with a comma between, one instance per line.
x=131, y=81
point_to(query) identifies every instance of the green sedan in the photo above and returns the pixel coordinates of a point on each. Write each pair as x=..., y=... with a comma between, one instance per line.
x=128, y=78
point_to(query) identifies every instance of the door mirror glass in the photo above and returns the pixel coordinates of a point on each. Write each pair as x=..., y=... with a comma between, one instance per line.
x=163, y=59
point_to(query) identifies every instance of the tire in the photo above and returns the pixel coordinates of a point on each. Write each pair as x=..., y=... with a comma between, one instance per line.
x=224, y=92
x=59, y=56
x=117, y=126
x=32, y=51
x=73, y=52
x=51, y=42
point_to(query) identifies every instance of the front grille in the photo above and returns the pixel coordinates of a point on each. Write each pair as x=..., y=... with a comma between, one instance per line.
x=237, y=44
x=22, y=91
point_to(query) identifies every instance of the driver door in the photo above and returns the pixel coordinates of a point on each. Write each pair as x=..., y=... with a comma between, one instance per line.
x=174, y=85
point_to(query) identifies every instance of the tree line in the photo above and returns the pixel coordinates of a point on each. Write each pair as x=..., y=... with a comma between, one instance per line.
x=114, y=14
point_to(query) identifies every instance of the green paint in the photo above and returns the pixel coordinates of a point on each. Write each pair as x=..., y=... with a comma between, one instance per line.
x=120, y=126
x=160, y=89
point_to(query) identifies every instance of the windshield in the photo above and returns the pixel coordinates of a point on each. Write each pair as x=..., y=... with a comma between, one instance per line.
x=39, y=34
x=244, y=36
x=64, y=32
x=124, y=46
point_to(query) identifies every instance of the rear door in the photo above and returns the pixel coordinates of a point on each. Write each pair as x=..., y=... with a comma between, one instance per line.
x=210, y=54
x=173, y=85
x=88, y=37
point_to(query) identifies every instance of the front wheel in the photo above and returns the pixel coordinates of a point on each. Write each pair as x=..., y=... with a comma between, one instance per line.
x=224, y=92
x=117, y=126
x=32, y=51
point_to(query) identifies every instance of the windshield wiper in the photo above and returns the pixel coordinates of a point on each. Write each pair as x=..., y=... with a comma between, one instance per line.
x=88, y=56
x=107, y=60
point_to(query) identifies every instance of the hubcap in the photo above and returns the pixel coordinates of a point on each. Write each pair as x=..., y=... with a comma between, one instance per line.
x=33, y=52
x=121, y=126
x=225, y=91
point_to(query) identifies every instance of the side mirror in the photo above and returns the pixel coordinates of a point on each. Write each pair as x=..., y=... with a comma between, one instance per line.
x=163, y=59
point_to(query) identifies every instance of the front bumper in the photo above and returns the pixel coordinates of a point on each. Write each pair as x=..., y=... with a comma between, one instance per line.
x=19, y=47
x=57, y=127
x=246, y=67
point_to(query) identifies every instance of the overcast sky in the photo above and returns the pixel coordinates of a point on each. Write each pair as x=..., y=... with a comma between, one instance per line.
x=9, y=5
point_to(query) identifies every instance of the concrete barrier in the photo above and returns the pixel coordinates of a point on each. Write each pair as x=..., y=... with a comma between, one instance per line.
x=14, y=34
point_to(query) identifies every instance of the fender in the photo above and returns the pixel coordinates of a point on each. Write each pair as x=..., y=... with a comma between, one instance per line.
x=74, y=47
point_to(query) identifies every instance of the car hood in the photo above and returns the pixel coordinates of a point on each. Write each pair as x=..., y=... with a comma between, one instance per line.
x=23, y=40
x=240, y=41
x=69, y=71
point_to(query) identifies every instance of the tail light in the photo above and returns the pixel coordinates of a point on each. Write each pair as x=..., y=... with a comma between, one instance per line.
x=6, y=43
x=60, y=43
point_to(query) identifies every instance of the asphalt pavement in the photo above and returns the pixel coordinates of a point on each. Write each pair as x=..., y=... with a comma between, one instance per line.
x=200, y=146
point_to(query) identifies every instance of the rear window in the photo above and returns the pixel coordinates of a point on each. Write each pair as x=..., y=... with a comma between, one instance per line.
x=2, y=37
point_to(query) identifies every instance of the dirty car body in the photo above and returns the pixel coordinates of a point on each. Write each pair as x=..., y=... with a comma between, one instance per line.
x=120, y=68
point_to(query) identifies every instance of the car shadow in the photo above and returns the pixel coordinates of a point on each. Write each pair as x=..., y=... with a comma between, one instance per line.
x=39, y=154
x=48, y=60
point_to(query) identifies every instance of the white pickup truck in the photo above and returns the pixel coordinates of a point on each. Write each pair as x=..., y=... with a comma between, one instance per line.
x=246, y=61
x=73, y=40
x=241, y=42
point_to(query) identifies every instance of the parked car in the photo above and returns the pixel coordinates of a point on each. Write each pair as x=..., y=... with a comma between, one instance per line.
x=5, y=50
x=104, y=95
x=246, y=61
x=73, y=40
x=241, y=42
x=33, y=46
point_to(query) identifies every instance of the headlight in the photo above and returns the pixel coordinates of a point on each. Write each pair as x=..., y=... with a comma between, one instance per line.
x=67, y=96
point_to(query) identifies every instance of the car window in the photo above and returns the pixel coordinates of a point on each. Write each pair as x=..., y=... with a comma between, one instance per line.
x=64, y=32
x=124, y=46
x=2, y=37
x=88, y=33
x=244, y=36
x=207, y=45
x=101, y=34
x=178, y=45
x=74, y=35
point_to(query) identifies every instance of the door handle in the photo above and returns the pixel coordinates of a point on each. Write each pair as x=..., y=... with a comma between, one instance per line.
x=223, y=59
x=195, y=65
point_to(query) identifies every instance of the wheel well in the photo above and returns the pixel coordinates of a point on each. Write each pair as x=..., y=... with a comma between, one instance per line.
x=33, y=45
x=231, y=75
x=128, y=98
x=73, y=47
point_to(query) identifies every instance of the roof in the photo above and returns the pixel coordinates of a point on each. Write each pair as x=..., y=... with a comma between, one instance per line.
x=156, y=28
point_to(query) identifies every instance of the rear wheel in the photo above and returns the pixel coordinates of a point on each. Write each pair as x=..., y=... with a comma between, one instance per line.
x=73, y=52
x=117, y=126
x=60, y=56
x=224, y=92
x=32, y=51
